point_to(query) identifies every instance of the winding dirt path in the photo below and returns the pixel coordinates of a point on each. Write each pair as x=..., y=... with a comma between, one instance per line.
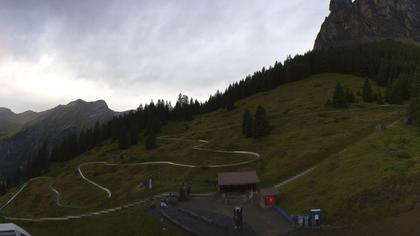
x=50, y=185
x=199, y=147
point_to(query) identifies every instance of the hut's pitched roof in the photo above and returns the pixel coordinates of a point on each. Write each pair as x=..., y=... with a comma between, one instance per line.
x=237, y=178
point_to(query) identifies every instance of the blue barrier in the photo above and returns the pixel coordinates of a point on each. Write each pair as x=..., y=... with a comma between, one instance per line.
x=282, y=212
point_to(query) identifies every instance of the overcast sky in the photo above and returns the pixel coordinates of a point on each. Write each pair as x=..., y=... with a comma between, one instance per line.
x=128, y=52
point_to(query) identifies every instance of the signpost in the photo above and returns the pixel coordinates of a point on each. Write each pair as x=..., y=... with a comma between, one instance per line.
x=238, y=218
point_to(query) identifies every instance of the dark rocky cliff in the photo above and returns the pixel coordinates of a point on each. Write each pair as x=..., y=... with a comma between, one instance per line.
x=364, y=21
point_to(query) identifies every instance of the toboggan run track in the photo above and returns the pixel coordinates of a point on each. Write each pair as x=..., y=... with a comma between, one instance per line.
x=255, y=157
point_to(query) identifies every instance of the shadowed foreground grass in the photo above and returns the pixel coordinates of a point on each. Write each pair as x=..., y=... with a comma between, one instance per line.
x=134, y=221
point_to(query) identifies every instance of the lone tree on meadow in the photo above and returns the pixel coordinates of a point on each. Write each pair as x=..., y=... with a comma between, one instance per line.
x=261, y=125
x=247, y=124
x=350, y=97
x=339, y=98
x=367, y=93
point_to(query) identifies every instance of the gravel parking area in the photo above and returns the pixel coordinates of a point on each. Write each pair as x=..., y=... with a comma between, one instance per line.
x=265, y=222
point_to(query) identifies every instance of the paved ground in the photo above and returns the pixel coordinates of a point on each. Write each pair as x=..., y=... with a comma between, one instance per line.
x=213, y=223
x=405, y=224
x=265, y=222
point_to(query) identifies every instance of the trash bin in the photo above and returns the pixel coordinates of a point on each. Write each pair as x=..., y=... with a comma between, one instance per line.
x=315, y=218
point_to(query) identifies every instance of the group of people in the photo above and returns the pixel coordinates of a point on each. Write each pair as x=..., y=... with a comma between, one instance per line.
x=184, y=192
x=183, y=195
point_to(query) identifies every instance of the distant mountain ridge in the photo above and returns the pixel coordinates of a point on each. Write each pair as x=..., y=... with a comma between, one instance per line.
x=364, y=21
x=50, y=126
x=11, y=122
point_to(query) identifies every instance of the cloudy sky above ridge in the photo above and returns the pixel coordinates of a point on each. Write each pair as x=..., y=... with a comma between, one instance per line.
x=128, y=52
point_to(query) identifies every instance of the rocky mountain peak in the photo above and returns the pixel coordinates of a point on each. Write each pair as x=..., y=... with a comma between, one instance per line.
x=82, y=103
x=4, y=110
x=363, y=21
x=50, y=126
x=76, y=102
x=338, y=5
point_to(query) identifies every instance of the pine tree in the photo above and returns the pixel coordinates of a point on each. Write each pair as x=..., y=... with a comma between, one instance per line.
x=383, y=74
x=395, y=95
x=247, y=123
x=374, y=97
x=406, y=86
x=134, y=134
x=414, y=108
x=367, y=93
x=124, y=141
x=43, y=156
x=3, y=186
x=38, y=164
x=230, y=103
x=261, y=125
x=350, y=98
x=388, y=92
x=339, y=97
x=153, y=123
x=379, y=98
x=18, y=177
x=151, y=141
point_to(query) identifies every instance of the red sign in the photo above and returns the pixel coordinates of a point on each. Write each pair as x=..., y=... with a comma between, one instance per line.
x=270, y=200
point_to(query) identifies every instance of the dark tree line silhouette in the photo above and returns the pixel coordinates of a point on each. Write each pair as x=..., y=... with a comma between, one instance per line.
x=414, y=107
x=388, y=63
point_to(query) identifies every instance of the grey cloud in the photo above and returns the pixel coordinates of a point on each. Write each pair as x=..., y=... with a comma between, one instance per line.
x=191, y=46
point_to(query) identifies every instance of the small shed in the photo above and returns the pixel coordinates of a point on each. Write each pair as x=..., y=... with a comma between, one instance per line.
x=238, y=182
x=268, y=196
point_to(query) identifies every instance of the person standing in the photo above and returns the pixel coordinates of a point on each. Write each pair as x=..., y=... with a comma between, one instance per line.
x=150, y=185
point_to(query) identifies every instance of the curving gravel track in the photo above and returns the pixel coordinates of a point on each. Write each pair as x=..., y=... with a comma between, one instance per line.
x=255, y=157
x=50, y=185
x=199, y=147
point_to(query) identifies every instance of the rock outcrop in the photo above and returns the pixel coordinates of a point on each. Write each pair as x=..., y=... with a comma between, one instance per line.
x=362, y=21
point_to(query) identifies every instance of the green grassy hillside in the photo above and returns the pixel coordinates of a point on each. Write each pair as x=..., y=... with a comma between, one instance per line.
x=305, y=133
x=135, y=221
x=376, y=177
x=11, y=123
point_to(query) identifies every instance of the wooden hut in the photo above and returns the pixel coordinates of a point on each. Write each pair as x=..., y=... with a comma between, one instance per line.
x=238, y=182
